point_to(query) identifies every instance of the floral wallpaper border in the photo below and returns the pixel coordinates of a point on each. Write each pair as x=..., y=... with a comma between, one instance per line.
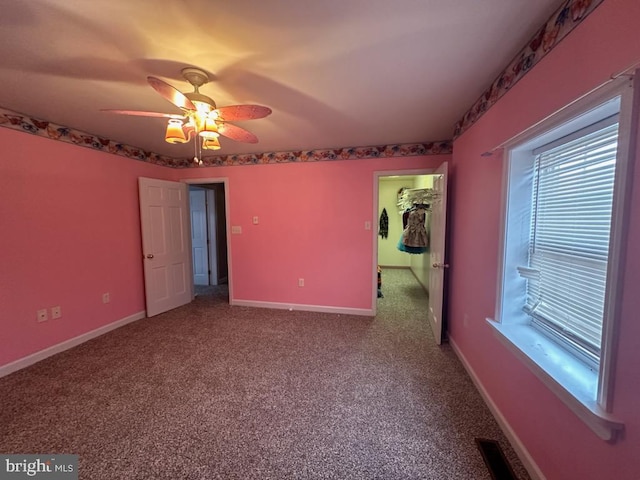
x=53, y=131
x=43, y=128
x=561, y=23
x=349, y=153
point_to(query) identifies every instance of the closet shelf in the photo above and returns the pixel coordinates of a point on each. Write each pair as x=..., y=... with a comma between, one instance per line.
x=413, y=196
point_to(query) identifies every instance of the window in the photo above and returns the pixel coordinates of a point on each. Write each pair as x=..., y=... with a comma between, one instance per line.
x=566, y=276
x=565, y=202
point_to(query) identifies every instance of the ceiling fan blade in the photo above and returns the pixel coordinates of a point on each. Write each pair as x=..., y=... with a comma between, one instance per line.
x=142, y=114
x=236, y=133
x=242, y=112
x=171, y=93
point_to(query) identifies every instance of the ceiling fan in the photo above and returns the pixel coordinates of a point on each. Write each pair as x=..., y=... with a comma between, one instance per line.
x=200, y=116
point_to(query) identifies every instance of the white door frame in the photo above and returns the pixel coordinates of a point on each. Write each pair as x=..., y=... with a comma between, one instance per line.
x=374, y=223
x=225, y=181
x=213, y=240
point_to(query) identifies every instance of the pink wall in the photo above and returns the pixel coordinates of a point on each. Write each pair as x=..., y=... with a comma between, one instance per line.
x=607, y=42
x=311, y=226
x=70, y=232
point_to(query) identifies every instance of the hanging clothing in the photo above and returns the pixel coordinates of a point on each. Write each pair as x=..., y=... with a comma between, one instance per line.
x=383, y=231
x=413, y=250
x=414, y=238
x=415, y=234
x=405, y=218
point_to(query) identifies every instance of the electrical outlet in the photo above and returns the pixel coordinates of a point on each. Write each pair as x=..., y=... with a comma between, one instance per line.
x=255, y=220
x=367, y=225
x=56, y=312
x=106, y=298
x=41, y=315
x=301, y=282
x=236, y=229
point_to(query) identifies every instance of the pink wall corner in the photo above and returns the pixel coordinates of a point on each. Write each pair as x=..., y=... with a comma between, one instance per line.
x=311, y=225
x=70, y=232
x=561, y=445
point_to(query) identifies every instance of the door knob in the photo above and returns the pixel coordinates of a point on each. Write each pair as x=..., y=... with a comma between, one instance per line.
x=440, y=265
x=149, y=255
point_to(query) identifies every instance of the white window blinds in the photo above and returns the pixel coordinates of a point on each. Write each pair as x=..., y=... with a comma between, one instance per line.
x=569, y=244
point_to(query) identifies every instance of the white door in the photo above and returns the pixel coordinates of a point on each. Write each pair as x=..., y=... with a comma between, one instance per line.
x=199, y=247
x=437, y=248
x=164, y=215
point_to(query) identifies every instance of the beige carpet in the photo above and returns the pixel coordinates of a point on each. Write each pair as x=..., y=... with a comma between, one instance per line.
x=210, y=391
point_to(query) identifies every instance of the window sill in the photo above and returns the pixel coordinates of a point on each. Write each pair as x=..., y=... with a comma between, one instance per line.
x=569, y=379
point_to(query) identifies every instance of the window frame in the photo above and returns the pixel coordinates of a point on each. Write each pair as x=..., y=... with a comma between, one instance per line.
x=587, y=392
x=547, y=325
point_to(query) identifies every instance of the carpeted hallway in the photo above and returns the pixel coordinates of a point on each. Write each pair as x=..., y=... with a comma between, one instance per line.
x=210, y=391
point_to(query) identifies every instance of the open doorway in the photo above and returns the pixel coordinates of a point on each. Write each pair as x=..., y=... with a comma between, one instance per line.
x=407, y=203
x=209, y=248
x=391, y=255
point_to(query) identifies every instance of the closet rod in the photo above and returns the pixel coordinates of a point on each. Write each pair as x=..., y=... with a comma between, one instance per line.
x=416, y=189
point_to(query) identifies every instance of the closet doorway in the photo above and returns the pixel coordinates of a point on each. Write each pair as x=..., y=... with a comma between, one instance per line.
x=209, y=244
x=409, y=241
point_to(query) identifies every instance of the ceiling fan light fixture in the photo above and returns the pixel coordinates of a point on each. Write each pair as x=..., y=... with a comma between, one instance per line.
x=209, y=129
x=200, y=115
x=175, y=133
x=210, y=143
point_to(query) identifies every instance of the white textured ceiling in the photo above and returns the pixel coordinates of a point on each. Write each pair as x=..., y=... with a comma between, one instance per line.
x=337, y=73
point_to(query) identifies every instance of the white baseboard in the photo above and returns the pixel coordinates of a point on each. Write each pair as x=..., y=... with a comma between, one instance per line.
x=424, y=287
x=302, y=307
x=67, y=344
x=534, y=471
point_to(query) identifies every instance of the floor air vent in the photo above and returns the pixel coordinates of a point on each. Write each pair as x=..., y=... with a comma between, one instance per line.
x=495, y=460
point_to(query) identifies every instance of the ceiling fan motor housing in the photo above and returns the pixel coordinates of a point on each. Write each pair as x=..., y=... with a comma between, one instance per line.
x=197, y=78
x=206, y=103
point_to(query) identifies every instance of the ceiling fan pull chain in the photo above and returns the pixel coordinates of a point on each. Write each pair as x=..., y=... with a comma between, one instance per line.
x=195, y=152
